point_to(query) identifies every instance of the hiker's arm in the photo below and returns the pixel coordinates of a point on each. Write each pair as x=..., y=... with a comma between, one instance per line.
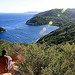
x=9, y=58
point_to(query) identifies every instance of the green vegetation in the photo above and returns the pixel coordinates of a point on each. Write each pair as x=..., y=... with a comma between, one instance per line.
x=2, y=30
x=44, y=18
x=43, y=59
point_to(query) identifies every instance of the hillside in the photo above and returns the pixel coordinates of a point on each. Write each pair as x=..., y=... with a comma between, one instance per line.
x=2, y=30
x=58, y=16
x=63, y=34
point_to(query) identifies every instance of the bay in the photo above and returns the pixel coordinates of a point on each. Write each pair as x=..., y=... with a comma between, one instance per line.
x=18, y=31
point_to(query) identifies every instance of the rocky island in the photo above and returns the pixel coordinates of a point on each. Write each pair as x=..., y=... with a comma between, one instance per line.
x=2, y=30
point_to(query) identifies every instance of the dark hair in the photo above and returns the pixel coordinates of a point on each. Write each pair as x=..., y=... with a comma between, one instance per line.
x=4, y=52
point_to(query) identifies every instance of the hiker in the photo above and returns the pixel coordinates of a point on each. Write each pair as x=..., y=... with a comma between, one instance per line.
x=5, y=62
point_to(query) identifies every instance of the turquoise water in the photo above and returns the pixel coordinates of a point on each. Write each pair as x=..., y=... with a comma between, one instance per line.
x=18, y=31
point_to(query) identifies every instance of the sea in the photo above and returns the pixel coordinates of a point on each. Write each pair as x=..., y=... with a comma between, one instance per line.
x=18, y=31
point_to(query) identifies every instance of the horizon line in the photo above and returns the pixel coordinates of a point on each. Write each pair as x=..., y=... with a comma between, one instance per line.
x=32, y=11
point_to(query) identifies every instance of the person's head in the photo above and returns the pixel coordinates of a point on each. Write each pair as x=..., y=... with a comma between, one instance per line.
x=4, y=52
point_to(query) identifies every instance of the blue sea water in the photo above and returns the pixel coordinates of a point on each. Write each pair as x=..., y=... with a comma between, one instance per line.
x=18, y=31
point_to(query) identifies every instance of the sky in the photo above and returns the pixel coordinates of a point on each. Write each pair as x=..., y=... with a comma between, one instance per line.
x=20, y=6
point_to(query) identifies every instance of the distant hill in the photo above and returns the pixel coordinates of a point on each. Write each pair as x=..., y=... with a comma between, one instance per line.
x=2, y=30
x=31, y=12
x=58, y=16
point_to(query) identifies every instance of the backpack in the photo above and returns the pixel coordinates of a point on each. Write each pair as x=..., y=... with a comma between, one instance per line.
x=3, y=64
